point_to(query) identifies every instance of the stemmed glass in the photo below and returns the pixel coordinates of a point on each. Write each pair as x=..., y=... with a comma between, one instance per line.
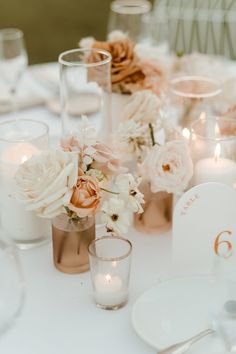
x=13, y=60
x=12, y=289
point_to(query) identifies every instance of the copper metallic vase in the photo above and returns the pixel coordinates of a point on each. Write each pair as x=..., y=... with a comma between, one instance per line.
x=157, y=215
x=70, y=240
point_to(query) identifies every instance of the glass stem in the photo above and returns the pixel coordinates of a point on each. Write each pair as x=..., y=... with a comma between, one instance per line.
x=13, y=106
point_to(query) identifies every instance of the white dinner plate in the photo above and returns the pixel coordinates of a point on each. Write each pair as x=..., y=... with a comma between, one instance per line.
x=179, y=308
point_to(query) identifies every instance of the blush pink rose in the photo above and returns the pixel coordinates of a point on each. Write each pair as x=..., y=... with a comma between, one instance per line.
x=105, y=159
x=168, y=167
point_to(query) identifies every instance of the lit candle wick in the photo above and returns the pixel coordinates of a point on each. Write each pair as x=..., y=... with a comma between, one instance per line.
x=108, y=278
x=24, y=158
x=186, y=133
x=217, y=152
x=202, y=115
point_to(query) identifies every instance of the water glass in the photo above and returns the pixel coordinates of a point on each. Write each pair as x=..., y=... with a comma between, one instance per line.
x=110, y=259
x=130, y=16
x=19, y=140
x=85, y=87
x=12, y=288
x=193, y=97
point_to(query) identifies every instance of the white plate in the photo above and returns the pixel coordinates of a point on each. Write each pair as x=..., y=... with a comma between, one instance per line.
x=177, y=309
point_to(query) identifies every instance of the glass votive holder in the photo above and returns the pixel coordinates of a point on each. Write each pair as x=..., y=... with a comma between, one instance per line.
x=19, y=141
x=213, y=148
x=85, y=89
x=110, y=258
x=129, y=16
x=193, y=97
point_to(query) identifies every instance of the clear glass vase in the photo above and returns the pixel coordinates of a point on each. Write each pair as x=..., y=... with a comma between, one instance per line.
x=85, y=88
x=157, y=211
x=70, y=240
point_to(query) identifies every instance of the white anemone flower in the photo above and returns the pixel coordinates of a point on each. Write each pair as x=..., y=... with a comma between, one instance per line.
x=115, y=216
x=129, y=192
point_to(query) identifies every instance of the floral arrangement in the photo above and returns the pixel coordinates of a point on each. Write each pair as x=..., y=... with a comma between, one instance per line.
x=157, y=145
x=130, y=71
x=76, y=181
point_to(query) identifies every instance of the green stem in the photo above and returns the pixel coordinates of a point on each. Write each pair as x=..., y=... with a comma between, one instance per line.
x=106, y=190
x=152, y=134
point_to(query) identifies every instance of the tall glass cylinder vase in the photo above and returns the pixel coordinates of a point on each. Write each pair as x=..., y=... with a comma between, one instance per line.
x=130, y=16
x=85, y=86
x=19, y=140
x=213, y=148
x=193, y=97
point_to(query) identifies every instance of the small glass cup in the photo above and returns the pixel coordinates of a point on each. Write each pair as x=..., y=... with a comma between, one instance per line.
x=130, y=16
x=194, y=96
x=85, y=87
x=213, y=148
x=110, y=259
x=19, y=140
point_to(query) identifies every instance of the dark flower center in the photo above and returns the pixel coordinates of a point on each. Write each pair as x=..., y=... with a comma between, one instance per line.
x=114, y=217
x=133, y=193
x=166, y=168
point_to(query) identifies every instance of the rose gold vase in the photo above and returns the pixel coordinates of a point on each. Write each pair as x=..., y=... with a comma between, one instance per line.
x=70, y=240
x=157, y=215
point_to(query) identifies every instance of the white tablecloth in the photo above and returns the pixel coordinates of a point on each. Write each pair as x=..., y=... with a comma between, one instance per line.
x=59, y=315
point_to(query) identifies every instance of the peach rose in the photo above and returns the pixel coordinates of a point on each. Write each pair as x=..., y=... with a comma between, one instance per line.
x=125, y=67
x=105, y=159
x=85, y=198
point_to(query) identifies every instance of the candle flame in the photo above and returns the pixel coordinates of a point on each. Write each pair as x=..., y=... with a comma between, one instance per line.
x=217, y=130
x=186, y=133
x=24, y=158
x=217, y=152
x=108, y=278
x=202, y=115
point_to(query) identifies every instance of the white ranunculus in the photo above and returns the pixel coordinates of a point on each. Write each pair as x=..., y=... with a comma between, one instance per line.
x=43, y=181
x=144, y=107
x=168, y=167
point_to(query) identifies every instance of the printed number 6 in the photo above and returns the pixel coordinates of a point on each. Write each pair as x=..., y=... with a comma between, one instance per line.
x=228, y=248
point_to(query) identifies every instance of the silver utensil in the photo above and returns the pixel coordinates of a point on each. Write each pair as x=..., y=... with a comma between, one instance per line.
x=182, y=347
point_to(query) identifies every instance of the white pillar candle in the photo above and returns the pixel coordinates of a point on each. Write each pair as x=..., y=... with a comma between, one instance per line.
x=215, y=169
x=109, y=290
x=21, y=225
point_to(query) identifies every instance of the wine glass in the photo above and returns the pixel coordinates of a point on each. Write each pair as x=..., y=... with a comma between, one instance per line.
x=12, y=290
x=13, y=61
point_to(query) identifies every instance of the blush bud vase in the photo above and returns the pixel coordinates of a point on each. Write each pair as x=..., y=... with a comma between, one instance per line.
x=157, y=212
x=70, y=240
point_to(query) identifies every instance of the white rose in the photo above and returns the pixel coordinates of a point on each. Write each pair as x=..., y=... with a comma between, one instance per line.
x=144, y=107
x=43, y=181
x=117, y=35
x=169, y=167
x=86, y=42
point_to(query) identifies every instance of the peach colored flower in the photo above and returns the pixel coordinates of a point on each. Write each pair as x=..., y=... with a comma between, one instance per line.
x=85, y=198
x=125, y=67
x=105, y=159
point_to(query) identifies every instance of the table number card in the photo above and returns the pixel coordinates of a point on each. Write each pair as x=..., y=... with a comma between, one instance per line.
x=204, y=230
